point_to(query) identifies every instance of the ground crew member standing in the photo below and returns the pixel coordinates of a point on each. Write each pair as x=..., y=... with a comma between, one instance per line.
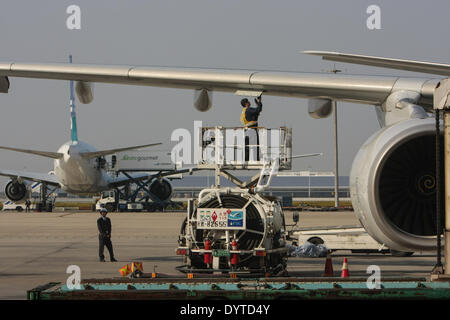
x=249, y=119
x=104, y=236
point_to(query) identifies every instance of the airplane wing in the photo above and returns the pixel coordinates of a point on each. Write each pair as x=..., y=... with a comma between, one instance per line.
x=38, y=177
x=400, y=64
x=353, y=88
x=99, y=153
x=53, y=155
x=124, y=179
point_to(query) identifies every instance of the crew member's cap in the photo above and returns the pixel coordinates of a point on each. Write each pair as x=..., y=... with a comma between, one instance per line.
x=244, y=102
x=103, y=210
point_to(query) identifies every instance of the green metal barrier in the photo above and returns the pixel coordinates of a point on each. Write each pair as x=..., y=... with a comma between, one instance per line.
x=237, y=289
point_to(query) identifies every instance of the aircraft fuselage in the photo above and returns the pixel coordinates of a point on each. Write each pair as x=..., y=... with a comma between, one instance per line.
x=77, y=174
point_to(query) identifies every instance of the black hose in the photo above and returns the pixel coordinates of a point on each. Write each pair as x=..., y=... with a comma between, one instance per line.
x=438, y=189
x=183, y=227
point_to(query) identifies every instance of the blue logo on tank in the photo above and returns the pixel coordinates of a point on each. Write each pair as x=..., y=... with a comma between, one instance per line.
x=236, y=219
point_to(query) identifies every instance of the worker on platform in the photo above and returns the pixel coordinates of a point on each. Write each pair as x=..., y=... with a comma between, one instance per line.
x=249, y=119
x=104, y=237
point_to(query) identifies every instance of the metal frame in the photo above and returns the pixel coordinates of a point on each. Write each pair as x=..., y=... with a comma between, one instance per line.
x=221, y=150
x=203, y=287
x=124, y=191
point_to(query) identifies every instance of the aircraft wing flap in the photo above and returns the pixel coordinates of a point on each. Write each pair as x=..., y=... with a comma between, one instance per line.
x=37, y=177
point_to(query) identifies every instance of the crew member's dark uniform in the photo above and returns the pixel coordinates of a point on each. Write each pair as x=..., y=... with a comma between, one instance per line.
x=104, y=237
x=249, y=118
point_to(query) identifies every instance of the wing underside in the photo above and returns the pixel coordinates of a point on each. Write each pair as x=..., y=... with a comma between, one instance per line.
x=100, y=153
x=352, y=88
x=37, y=177
x=124, y=179
x=47, y=154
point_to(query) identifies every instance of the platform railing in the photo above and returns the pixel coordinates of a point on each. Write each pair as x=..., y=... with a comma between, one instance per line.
x=245, y=148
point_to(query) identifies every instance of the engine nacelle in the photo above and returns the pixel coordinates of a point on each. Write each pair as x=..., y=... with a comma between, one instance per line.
x=17, y=191
x=162, y=189
x=393, y=185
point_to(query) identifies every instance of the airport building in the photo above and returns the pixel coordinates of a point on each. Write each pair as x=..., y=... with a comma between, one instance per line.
x=297, y=185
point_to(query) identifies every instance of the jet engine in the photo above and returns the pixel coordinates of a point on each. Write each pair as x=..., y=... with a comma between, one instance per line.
x=162, y=189
x=393, y=185
x=17, y=191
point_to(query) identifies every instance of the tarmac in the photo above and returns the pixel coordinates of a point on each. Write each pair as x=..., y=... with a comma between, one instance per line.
x=37, y=248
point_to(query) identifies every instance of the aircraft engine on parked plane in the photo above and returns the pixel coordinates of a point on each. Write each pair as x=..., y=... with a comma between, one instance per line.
x=393, y=185
x=17, y=191
x=162, y=189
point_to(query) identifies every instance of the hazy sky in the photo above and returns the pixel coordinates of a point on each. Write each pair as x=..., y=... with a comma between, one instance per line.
x=247, y=34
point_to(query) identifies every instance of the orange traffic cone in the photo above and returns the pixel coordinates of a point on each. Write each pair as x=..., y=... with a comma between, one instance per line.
x=328, y=266
x=345, y=273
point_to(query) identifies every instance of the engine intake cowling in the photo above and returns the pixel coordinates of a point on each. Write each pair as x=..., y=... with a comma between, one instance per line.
x=162, y=189
x=17, y=191
x=393, y=185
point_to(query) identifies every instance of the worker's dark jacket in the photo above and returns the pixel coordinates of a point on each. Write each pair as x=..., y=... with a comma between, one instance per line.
x=252, y=114
x=104, y=227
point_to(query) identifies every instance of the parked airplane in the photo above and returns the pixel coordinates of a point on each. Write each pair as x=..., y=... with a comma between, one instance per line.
x=393, y=176
x=78, y=166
